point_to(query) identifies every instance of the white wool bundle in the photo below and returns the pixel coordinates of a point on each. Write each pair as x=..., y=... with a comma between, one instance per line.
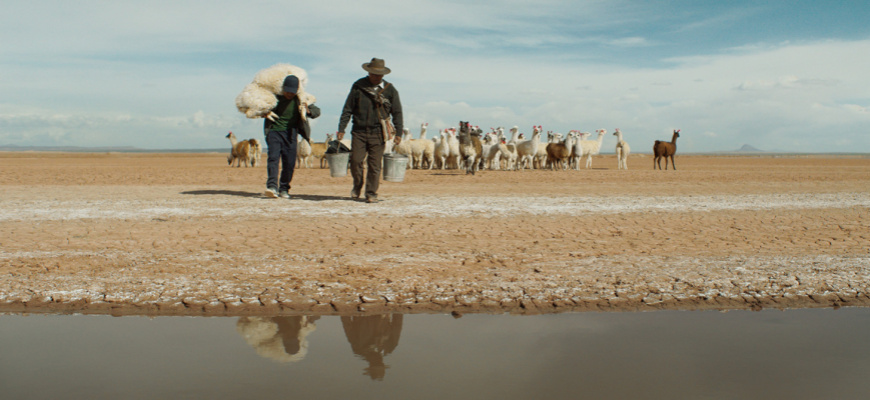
x=272, y=78
x=257, y=99
x=262, y=334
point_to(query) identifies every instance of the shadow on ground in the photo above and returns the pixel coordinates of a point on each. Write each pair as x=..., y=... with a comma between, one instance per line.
x=312, y=197
x=302, y=197
x=222, y=193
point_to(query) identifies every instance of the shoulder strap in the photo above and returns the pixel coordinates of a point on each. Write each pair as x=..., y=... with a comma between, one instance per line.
x=386, y=85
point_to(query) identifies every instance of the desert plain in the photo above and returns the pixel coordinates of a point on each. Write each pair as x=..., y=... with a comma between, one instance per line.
x=185, y=234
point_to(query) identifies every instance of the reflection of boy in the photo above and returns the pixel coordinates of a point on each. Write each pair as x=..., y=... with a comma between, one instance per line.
x=280, y=338
x=372, y=338
x=293, y=330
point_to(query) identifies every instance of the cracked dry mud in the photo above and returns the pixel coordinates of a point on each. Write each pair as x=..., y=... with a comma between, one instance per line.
x=183, y=234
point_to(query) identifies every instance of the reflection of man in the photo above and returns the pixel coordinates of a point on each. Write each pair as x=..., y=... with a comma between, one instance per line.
x=280, y=338
x=372, y=338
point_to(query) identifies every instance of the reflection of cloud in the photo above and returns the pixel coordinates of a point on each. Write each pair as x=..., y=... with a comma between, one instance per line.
x=372, y=337
x=281, y=339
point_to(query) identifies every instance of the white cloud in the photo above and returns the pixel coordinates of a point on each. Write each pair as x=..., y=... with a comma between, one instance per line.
x=166, y=74
x=628, y=42
x=856, y=108
x=787, y=82
x=199, y=130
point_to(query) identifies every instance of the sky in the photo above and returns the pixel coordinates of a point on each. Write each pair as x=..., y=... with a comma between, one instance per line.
x=790, y=76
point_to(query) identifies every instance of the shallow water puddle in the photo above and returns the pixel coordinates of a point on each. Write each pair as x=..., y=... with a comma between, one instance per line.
x=795, y=354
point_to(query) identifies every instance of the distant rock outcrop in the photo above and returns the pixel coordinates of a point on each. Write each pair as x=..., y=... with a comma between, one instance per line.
x=748, y=149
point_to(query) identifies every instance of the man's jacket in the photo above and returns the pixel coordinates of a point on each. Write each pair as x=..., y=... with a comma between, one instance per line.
x=306, y=110
x=361, y=106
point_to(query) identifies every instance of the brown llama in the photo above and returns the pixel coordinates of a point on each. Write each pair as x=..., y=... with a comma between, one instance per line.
x=470, y=147
x=560, y=152
x=240, y=151
x=256, y=151
x=664, y=150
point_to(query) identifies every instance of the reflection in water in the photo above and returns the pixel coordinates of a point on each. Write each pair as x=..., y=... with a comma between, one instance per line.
x=793, y=354
x=284, y=339
x=279, y=338
x=373, y=337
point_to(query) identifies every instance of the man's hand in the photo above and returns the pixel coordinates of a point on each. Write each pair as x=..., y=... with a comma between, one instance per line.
x=339, y=135
x=397, y=139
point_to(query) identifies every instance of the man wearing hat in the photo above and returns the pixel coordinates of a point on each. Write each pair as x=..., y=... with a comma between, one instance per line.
x=290, y=118
x=373, y=103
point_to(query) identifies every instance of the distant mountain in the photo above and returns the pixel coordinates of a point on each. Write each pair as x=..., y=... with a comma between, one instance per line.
x=12, y=147
x=748, y=149
x=116, y=149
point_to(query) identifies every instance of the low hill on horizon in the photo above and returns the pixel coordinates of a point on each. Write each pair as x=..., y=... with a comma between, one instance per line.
x=747, y=148
x=109, y=149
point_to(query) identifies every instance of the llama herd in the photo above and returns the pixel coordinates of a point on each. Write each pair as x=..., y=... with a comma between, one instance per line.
x=471, y=149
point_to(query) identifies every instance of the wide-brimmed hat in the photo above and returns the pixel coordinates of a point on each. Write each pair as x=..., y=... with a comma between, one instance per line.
x=376, y=66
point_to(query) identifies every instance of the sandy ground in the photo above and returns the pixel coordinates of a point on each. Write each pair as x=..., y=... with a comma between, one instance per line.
x=184, y=234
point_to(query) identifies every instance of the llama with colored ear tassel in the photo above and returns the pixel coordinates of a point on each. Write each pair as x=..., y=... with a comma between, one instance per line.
x=589, y=148
x=527, y=150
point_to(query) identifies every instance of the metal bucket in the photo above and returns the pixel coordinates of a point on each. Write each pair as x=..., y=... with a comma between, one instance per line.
x=394, y=167
x=337, y=164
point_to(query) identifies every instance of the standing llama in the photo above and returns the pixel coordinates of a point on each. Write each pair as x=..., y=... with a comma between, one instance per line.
x=559, y=152
x=442, y=149
x=528, y=149
x=256, y=151
x=664, y=150
x=243, y=152
x=622, y=151
x=470, y=147
x=590, y=148
x=303, y=153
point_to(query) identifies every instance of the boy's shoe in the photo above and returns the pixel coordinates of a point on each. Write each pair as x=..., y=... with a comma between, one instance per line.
x=271, y=193
x=284, y=195
x=354, y=194
x=371, y=200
